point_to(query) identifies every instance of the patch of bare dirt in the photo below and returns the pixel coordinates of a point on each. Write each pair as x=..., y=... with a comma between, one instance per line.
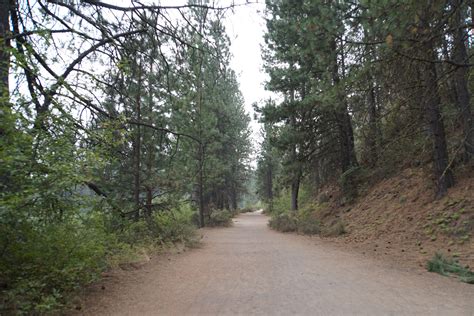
x=400, y=219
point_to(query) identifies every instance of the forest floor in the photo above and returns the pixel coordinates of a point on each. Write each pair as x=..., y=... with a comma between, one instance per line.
x=248, y=269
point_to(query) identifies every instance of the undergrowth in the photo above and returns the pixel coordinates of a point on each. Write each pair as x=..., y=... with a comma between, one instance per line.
x=42, y=265
x=445, y=266
x=307, y=220
x=220, y=218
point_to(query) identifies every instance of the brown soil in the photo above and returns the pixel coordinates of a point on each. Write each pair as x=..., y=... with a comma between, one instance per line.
x=249, y=269
x=400, y=219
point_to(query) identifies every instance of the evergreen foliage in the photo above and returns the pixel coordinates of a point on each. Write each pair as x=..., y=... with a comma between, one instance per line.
x=119, y=126
x=365, y=88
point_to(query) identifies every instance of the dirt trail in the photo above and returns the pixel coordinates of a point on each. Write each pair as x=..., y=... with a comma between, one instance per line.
x=250, y=270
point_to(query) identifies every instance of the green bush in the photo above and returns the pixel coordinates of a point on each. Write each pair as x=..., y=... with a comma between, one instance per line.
x=307, y=221
x=349, y=183
x=444, y=266
x=220, y=218
x=304, y=221
x=247, y=210
x=284, y=222
x=41, y=265
x=336, y=229
x=175, y=226
x=309, y=226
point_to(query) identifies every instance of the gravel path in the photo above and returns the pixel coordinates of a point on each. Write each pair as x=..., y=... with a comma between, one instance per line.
x=250, y=270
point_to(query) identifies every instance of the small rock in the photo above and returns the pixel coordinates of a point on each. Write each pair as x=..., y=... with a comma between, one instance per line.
x=403, y=250
x=102, y=287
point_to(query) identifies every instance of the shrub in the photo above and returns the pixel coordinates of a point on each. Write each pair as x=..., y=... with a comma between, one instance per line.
x=348, y=182
x=307, y=220
x=284, y=222
x=40, y=265
x=247, y=210
x=444, y=266
x=309, y=226
x=220, y=218
x=136, y=233
x=174, y=226
x=336, y=229
x=323, y=197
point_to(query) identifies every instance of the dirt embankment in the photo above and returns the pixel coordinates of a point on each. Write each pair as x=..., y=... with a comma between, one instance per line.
x=399, y=219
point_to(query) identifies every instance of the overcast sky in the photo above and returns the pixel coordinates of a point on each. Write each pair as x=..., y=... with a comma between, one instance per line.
x=246, y=27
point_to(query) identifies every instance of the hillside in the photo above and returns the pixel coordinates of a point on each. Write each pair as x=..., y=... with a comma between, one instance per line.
x=399, y=218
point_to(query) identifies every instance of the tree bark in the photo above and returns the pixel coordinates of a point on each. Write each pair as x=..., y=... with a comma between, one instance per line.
x=346, y=133
x=149, y=201
x=296, y=165
x=460, y=56
x=269, y=186
x=4, y=50
x=373, y=125
x=150, y=149
x=295, y=188
x=233, y=198
x=201, y=186
x=471, y=6
x=442, y=172
x=373, y=133
x=137, y=145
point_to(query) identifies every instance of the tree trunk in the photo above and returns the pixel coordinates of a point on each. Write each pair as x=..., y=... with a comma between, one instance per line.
x=316, y=176
x=471, y=6
x=373, y=133
x=460, y=80
x=201, y=189
x=348, y=158
x=269, y=184
x=295, y=187
x=4, y=53
x=373, y=125
x=346, y=134
x=451, y=87
x=443, y=175
x=149, y=201
x=233, y=198
x=295, y=164
x=137, y=145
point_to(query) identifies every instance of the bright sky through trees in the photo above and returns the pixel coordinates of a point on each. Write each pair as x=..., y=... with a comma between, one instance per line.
x=245, y=26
